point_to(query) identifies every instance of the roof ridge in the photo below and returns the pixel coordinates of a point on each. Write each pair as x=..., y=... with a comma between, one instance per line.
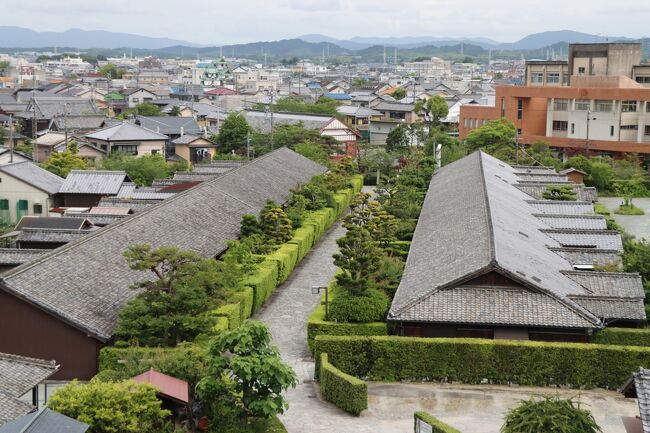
x=603, y=273
x=28, y=360
x=488, y=212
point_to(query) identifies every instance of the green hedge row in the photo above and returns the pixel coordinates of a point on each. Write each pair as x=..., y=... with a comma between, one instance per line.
x=344, y=391
x=317, y=325
x=392, y=358
x=263, y=282
x=286, y=258
x=232, y=312
x=356, y=183
x=437, y=426
x=623, y=337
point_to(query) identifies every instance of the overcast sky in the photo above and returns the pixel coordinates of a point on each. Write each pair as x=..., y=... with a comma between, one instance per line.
x=224, y=22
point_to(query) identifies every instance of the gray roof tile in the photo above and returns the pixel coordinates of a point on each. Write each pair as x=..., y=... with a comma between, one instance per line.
x=44, y=421
x=576, y=222
x=93, y=182
x=33, y=175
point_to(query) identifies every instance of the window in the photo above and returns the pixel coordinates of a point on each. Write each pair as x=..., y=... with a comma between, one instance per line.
x=560, y=125
x=553, y=77
x=573, y=128
x=503, y=107
x=154, y=151
x=136, y=99
x=520, y=108
x=126, y=148
x=581, y=70
x=628, y=106
x=38, y=209
x=647, y=107
x=643, y=80
x=611, y=131
x=582, y=104
x=561, y=104
x=4, y=211
x=603, y=106
x=465, y=122
x=537, y=77
x=474, y=333
x=647, y=130
x=629, y=127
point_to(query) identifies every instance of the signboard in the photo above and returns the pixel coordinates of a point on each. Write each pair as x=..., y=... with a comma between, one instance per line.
x=422, y=427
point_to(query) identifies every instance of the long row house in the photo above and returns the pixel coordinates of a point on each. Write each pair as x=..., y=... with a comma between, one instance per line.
x=491, y=259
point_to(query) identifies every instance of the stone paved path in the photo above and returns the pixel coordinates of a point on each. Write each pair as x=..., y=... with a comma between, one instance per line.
x=471, y=409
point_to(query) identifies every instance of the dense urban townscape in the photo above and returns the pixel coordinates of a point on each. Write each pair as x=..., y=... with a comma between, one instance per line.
x=395, y=234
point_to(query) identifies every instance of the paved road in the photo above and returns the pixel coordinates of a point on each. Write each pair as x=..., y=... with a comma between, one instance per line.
x=472, y=409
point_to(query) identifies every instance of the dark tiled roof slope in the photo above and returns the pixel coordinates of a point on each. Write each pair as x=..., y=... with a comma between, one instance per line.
x=86, y=282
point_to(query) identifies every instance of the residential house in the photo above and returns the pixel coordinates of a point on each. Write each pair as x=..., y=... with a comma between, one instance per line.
x=86, y=188
x=129, y=138
x=173, y=392
x=41, y=110
x=137, y=95
x=193, y=148
x=7, y=158
x=21, y=380
x=345, y=136
x=53, y=309
x=27, y=189
x=638, y=386
x=48, y=233
x=359, y=118
x=487, y=260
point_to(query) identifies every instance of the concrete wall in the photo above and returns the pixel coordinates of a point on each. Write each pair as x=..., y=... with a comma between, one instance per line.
x=14, y=189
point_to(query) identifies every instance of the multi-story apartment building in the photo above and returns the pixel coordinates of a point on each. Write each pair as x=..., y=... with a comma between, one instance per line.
x=252, y=80
x=596, y=103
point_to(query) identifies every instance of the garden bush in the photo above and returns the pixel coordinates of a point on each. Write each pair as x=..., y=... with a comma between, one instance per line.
x=317, y=325
x=245, y=297
x=232, y=312
x=263, y=281
x=357, y=183
x=304, y=239
x=286, y=257
x=344, y=391
x=623, y=337
x=437, y=426
x=371, y=307
x=221, y=324
x=393, y=358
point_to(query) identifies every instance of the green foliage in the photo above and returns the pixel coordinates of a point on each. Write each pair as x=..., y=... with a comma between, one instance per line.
x=233, y=133
x=623, y=337
x=629, y=209
x=636, y=258
x=245, y=374
x=62, y=163
x=398, y=139
x=629, y=189
x=263, y=282
x=112, y=407
x=559, y=192
x=496, y=137
x=111, y=71
x=294, y=135
x=313, y=151
x=437, y=426
x=549, y=415
x=433, y=109
x=399, y=93
x=184, y=361
x=143, y=109
x=371, y=306
x=358, y=258
x=344, y=391
x=299, y=105
x=274, y=224
x=142, y=170
x=317, y=325
x=473, y=360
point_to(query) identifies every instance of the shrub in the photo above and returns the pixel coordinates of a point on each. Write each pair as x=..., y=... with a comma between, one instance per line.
x=474, y=360
x=549, y=415
x=371, y=307
x=221, y=324
x=357, y=183
x=629, y=210
x=286, y=257
x=623, y=337
x=304, y=239
x=246, y=298
x=344, y=391
x=263, y=281
x=317, y=325
x=232, y=312
x=437, y=426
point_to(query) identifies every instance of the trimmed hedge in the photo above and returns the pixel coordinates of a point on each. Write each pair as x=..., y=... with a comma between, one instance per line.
x=245, y=298
x=437, y=426
x=221, y=324
x=394, y=358
x=623, y=337
x=304, y=239
x=356, y=183
x=344, y=391
x=263, y=282
x=317, y=325
x=286, y=257
x=232, y=312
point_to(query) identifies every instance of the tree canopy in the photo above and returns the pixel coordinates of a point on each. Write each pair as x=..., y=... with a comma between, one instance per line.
x=233, y=133
x=142, y=170
x=112, y=71
x=62, y=163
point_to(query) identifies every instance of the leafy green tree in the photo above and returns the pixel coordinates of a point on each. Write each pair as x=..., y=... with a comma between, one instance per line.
x=549, y=415
x=636, y=258
x=175, y=111
x=559, y=192
x=112, y=71
x=142, y=170
x=61, y=163
x=600, y=176
x=399, y=93
x=629, y=189
x=233, y=133
x=398, y=139
x=313, y=151
x=246, y=376
x=298, y=105
x=493, y=136
x=433, y=109
x=579, y=162
x=4, y=67
x=108, y=407
x=294, y=135
x=143, y=109
x=275, y=224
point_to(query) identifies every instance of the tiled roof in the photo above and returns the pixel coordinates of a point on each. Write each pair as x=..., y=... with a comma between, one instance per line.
x=18, y=256
x=604, y=239
x=85, y=283
x=170, y=125
x=581, y=222
x=519, y=169
x=134, y=205
x=168, y=386
x=63, y=223
x=589, y=256
x=609, y=284
x=261, y=120
x=475, y=221
x=130, y=191
x=613, y=309
x=536, y=190
x=126, y=131
x=642, y=385
x=44, y=421
x=19, y=374
x=50, y=235
x=33, y=175
x=543, y=177
x=100, y=220
x=563, y=207
x=93, y=182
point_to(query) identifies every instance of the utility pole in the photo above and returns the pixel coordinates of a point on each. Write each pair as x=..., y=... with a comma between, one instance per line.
x=271, y=106
x=11, y=138
x=248, y=145
x=588, y=120
x=34, y=127
x=65, y=123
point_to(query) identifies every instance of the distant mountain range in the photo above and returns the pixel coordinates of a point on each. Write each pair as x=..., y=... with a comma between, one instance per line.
x=19, y=37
